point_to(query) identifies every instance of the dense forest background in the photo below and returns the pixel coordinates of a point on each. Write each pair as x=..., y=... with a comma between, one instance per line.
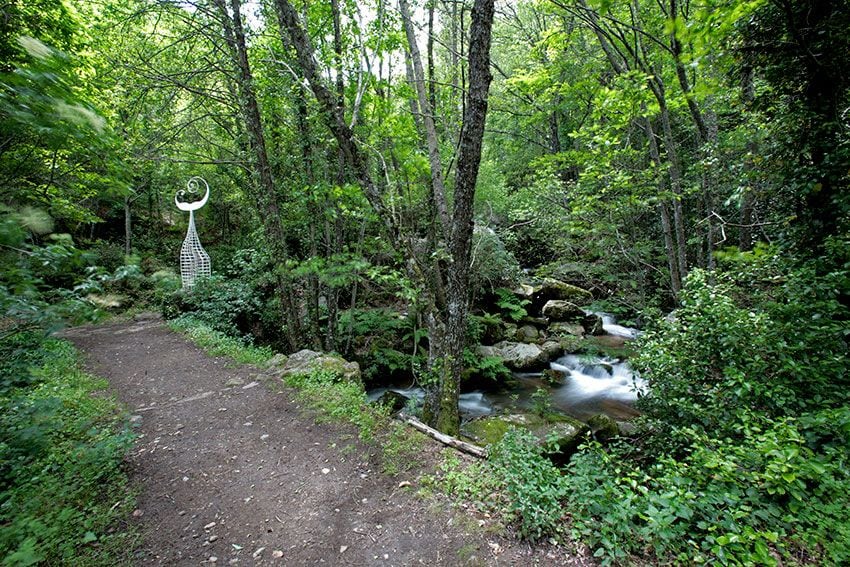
x=383, y=173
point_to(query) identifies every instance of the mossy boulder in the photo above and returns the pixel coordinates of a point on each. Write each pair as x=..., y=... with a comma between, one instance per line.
x=539, y=322
x=276, y=361
x=552, y=349
x=603, y=427
x=527, y=334
x=592, y=324
x=550, y=288
x=560, y=434
x=516, y=356
x=553, y=377
x=393, y=400
x=563, y=328
x=570, y=344
x=307, y=361
x=561, y=310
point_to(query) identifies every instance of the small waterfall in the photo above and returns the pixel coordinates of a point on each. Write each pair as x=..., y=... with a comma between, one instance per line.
x=610, y=326
x=592, y=385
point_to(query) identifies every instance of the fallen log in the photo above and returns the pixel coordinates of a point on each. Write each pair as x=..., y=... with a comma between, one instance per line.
x=467, y=448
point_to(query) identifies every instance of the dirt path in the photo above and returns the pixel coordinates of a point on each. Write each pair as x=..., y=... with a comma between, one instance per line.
x=233, y=472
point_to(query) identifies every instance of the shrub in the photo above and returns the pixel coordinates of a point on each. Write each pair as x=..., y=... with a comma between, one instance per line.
x=742, y=455
x=534, y=485
x=492, y=264
x=383, y=341
x=229, y=306
x=61, y=448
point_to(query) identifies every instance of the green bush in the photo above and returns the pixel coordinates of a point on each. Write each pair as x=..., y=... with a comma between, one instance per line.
x=220, y=344
x=382, y=342
x=62, y=488
x=536, y=490
x=492, y=264
x=232, y=307
x=742, y=455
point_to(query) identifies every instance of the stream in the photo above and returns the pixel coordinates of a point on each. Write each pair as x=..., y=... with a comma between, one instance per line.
x=592, y=385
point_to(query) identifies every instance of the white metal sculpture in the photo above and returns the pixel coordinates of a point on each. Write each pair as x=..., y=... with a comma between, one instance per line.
x=194, y=260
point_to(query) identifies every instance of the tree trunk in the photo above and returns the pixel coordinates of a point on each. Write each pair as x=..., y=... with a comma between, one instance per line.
x=675, y=173
x=128, y=233
x=427, y=110
x=666, y=227
x=447, y=418
x=234, y=34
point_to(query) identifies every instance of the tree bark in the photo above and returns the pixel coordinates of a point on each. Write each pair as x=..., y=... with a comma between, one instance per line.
x=447, y=418
x=267, y=198
x=666, y=227
x=128, y=233
x=427, y=110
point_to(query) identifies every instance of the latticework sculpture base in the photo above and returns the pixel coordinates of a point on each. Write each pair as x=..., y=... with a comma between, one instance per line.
x=194, y=260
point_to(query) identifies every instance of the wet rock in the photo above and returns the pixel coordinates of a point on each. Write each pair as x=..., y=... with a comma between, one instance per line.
x=527, y=334
x=570, y=344
x=524, y=291
x=561, y=310
x=517, y=356
x=563, y=438
x=551, y=289
x=307, y=361
x=560, y=434
x=393, y=400
x=539, y=322
x=552, y=349
x=553, y=377
x=276, y=361
x=603, y=427
x=626, y=428
x=562, y=328
x=592, y=324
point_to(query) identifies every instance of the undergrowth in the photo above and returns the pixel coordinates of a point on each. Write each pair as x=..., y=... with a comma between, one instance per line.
x=218, y=343
x=63, y=493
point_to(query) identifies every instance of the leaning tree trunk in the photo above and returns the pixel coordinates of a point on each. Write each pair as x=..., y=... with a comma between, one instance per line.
x=234, y=34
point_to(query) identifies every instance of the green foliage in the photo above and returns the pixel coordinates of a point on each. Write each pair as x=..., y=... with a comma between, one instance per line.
x=541, y=402
x=62, y=488
x=534, y=486
x=40, y=286
x=746, y=409
x=383, y=341
x=58, y=149
x=512, y=306
x=492, y=264
x=336, y=399
x=230, y=306
x=490, y=368
x=470, y=482
x=776, y=346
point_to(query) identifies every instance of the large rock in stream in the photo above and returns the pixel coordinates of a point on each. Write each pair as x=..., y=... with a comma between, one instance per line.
x=560, y=310
x=307, y=361
x=517, y=356
x=550, y=289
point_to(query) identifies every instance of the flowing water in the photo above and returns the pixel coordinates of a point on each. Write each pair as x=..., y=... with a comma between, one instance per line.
x=591, y=385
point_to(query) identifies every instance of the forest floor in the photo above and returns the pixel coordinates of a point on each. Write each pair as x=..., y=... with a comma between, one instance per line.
x=231, y=470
